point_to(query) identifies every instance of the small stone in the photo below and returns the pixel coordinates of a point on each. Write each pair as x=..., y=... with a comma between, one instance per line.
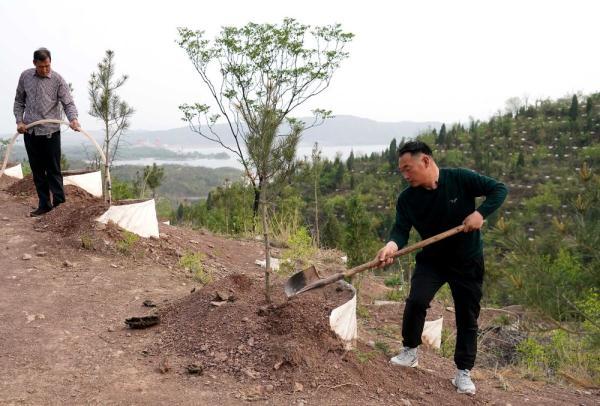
x=195, y=369
x=223, y=296
x=5, y=219
x=220, y=357
x=251, y=373
x=405, y=402
x=245, y=319
x=164, y=366
x=26, y=257
x=68, y=264
x=251, y=341
x=269, y=388
x=298, y=387
x=217, y=304
x=41, y=253
x=277, y=365
x=211, y=246
x=128, y=334
x=114, y=265
x=111, y=329
x=450, y=309
x=149, y=303
x=379, y=391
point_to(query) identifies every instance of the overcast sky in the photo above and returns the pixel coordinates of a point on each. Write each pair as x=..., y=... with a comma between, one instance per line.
x=410, y=60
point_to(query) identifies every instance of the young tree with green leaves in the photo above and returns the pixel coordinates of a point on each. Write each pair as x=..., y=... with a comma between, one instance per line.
x=257, y=75
x=153, y=177
x=106, y=105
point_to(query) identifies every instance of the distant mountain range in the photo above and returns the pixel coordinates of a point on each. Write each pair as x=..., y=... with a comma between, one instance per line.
x=339, y=130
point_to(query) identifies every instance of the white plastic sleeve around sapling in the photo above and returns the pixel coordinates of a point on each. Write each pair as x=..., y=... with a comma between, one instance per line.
x=138, y=218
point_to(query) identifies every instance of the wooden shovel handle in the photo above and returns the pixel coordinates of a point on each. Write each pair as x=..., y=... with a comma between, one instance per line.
x=406, y=250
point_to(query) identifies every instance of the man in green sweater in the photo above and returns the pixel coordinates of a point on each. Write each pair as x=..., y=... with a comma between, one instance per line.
x=438, y=200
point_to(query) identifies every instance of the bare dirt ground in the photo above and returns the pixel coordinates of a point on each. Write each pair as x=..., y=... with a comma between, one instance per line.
x=63, y=339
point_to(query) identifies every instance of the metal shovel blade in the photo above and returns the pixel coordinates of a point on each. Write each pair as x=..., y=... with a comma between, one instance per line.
x=300, y=280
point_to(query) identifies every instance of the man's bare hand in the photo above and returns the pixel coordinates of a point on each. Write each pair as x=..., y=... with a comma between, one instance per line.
x=21, y=128
x=474, y=221
x=384, y=254
x=75, y=125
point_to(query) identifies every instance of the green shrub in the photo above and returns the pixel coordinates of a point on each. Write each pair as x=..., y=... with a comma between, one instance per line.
x=192, y=262
x=394, y=280
x=125, y=245
x=87, y=242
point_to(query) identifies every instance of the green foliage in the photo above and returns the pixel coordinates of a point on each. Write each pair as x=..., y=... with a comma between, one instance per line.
x=364, y=357
x=193, y=263
x=383, y=347
x=362, y=312
x=358, y=243
x=87, y=243
x=152, y=178
x=300, y=250
x=448, y=343
x=396, y=295
x=556, y=355
x=122, y=190
x=107, y=106
x=394, y=280
x=64, y=162
x=127, y=242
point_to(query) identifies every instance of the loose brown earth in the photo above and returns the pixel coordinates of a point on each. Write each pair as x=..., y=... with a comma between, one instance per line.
x=63, y=339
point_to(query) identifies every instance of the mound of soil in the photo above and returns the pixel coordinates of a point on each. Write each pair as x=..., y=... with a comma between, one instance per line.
x=22, y=187
x=242, y=336
x=76, y=215
x=285, y=347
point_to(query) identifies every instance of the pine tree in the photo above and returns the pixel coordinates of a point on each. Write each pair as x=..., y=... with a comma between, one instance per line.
x=392, y=159
x=350, y=161
x=574, y=109
x=441, y=140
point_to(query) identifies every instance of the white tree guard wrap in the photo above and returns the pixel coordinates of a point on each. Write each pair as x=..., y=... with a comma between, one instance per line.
x=342, y=319
x=139, y=218
x=432, y=333
x=91, y=182
x=14, y=171
x=263, y=263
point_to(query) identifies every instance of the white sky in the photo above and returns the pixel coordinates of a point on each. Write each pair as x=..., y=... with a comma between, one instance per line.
x=410, y=60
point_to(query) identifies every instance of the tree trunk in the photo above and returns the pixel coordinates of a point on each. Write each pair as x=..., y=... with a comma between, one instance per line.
x=256, y=204
x=106, y=149
x=317, y=237
x=263, y=201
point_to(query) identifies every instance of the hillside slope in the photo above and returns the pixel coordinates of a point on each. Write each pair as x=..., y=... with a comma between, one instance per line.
x=68, y=285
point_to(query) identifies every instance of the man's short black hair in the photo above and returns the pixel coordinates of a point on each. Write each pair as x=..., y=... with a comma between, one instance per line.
x=41, y=54
x=415, y=147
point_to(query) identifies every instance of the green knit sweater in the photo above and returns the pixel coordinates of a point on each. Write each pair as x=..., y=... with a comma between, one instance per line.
x=431, y=212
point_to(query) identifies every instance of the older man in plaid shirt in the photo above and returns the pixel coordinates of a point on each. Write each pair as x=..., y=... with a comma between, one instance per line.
x=38, y=95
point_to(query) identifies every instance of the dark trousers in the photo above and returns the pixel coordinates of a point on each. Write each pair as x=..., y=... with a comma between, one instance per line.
x=44, y=158
x=465, y=282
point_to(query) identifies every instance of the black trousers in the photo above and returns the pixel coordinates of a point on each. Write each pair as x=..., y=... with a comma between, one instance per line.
x=44, y=158
x=465, y=282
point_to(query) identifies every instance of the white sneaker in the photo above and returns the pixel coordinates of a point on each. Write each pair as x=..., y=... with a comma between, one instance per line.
x=463, y=382
x=406, y=358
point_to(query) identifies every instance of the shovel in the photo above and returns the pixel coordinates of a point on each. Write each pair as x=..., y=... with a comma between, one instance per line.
x=310, y=279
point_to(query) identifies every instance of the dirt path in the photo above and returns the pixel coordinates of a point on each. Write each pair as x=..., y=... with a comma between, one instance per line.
x=63, y=340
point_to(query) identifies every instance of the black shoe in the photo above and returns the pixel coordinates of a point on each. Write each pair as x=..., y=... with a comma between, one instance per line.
x=40, y=211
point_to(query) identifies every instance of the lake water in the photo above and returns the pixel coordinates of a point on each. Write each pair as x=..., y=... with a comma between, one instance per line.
x=303, y=151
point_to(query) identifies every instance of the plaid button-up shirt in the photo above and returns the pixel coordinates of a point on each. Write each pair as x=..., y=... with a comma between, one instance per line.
x=38, y=98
